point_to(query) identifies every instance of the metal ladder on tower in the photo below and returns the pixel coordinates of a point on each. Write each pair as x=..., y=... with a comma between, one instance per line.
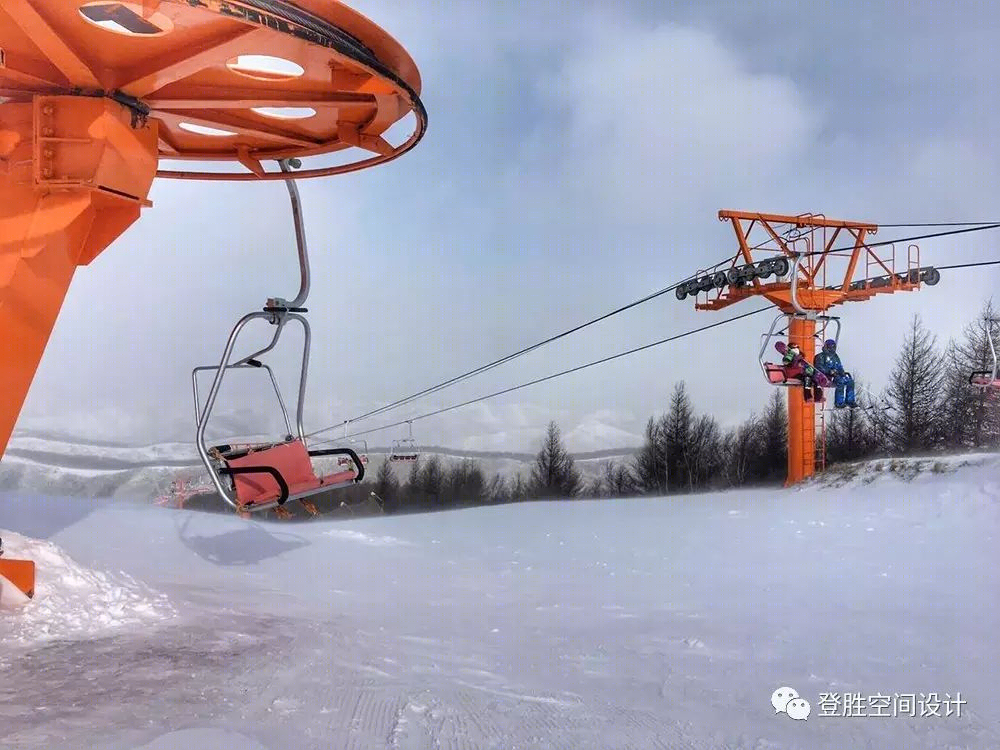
x=820, y=432
x=814, y=433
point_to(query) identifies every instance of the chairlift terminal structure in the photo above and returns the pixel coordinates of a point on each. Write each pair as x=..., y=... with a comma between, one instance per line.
x=811, y=263
x=96, y=94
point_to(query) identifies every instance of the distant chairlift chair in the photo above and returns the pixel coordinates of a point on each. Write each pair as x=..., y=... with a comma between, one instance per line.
x=363, y=455
x=264, y=476
x=987, y=379
x=405, y=449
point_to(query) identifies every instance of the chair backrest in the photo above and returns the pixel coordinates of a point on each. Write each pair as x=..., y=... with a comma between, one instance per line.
x=775, y=374
x=290, y=459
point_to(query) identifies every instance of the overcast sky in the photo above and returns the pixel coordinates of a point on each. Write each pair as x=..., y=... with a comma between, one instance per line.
x=576, y=158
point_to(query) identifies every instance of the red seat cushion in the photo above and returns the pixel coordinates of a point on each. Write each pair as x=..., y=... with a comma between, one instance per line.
x=778, y=374
x=292, y=462
x=339, y=478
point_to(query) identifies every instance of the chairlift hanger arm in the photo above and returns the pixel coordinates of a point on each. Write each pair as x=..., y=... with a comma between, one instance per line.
x=300, y=234
x=255, y=357
x=247, y=365
x=993, y=350
x=291, y=454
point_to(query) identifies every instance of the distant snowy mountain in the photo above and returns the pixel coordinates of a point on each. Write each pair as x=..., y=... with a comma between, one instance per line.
x=38, y=463
x=596, y=437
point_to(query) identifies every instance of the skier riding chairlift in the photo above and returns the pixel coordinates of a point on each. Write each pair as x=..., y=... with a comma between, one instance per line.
x=828, y=363
x=404, y=450
x=346, y=460
x=795, y=367
x=363, y=455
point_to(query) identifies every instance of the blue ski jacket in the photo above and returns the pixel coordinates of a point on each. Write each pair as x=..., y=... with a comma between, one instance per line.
x=828, y=363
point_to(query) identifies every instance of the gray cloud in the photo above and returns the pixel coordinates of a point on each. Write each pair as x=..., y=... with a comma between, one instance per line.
x=575, y=161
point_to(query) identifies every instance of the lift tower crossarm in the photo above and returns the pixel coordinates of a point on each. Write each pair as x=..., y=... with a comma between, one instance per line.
x=802, y=220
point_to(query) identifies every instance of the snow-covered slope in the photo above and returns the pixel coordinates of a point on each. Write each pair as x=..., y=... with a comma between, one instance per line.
x=592, y=624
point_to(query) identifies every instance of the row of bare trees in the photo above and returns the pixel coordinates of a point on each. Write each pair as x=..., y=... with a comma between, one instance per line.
x=685, y=452
x=432, y=486
x=927, y=406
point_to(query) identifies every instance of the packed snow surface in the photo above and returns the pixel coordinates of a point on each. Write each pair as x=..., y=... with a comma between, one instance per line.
x=644, y=623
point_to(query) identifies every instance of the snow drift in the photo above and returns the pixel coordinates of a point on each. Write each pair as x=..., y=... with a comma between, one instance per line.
x=71, y=601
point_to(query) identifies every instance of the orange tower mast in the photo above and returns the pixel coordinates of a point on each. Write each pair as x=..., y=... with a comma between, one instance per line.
x=94, y=93
x=810, y=274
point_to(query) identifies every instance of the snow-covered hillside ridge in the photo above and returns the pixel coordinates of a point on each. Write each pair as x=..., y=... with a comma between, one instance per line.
x=36, y=462
x=41, y=463
x=906, y=468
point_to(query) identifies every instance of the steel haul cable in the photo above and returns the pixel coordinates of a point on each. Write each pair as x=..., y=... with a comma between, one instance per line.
x=977, y=227
x=571, y=370
x=603, y=360
x=496, y=363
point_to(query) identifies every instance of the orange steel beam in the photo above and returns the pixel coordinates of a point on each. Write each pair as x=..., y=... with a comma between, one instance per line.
x=859, y=241
x=79, y=175
x=156, y=74
x=35, y=80
x=248, y=99
x=48, y=40
x=801, y=414
x=275, y=131
x=803, y=220
x=741, y=236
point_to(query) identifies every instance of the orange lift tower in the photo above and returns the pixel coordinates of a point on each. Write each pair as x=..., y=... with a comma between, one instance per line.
x=810, y=263
x=93, y=94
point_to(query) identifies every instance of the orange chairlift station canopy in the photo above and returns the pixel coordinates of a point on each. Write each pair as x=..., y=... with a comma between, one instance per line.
x=821, y=262
x=93, y=94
